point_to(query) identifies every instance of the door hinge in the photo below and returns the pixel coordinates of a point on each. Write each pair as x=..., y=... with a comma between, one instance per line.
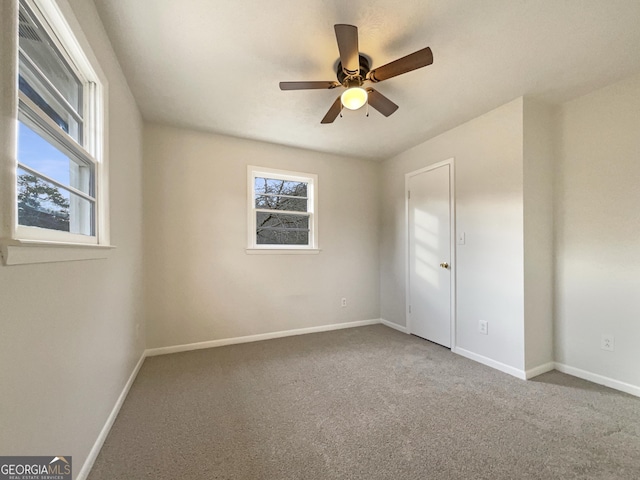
x=409, y=194
x=409, y=308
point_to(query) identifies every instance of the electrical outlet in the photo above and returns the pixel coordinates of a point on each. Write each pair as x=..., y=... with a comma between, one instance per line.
x=343, y=302
x=483, y=327
x=606, y=342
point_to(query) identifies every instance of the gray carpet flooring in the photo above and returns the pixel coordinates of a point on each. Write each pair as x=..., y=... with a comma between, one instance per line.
x=363, y=403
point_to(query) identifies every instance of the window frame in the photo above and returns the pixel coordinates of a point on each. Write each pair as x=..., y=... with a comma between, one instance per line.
x=311, y=180
x=27, y=244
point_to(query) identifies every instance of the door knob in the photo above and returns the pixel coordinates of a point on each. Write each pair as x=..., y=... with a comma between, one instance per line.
x=444, y=265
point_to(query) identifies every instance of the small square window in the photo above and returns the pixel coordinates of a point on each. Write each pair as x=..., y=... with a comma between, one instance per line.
x=282, y=209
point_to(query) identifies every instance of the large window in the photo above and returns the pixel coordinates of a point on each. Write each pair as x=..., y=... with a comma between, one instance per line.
x=282, y=210
x=59, y=136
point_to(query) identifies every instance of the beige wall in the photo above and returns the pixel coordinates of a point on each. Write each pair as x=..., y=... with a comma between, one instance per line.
x=68, y=342
x=539, y=159
x=598, y=232
x=489, y=208
x=201, y=285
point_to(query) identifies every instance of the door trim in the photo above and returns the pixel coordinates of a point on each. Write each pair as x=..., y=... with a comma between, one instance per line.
x=452, y=227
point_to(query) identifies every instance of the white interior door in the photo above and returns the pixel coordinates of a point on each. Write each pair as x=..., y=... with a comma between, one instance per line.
x=430, y=255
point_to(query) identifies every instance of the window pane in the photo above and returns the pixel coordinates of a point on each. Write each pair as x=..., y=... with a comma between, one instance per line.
x=282, y=229
x=42, y=51
x=281, y=203
x=282, y=237
x=37, y=153
x=42, y=204
x=282, y=220
x=50, y=106
x=280, y=187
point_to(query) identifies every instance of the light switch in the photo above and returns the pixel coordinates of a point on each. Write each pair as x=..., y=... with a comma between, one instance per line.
x=461, y=238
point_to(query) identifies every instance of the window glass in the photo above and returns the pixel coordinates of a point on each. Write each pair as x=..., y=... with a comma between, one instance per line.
x=36, y=153
x=39, y=154
x=276, y=202
x=280, y=187
x=278, y=228
x=62, y=117
x=42, y=56
x=45, y=205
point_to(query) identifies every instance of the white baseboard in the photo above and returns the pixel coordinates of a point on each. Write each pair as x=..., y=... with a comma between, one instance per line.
x=95, y=450
x=540, y=369
x=599, y=379
x=503, y=367
x=394, y=325
x=255, y=338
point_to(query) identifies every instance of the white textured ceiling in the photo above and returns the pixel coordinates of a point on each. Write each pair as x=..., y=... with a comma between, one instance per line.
x=215, y=65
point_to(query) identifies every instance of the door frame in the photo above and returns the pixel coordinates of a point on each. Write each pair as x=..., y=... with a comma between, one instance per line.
x=452, y=234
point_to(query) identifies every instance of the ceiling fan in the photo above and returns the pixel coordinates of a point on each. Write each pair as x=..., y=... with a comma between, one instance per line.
x=353, y=70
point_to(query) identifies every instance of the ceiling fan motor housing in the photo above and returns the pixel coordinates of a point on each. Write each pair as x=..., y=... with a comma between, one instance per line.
x=353, y=80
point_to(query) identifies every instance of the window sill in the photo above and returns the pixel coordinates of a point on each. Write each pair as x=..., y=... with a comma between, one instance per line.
x=25, y=252
x=282, y=251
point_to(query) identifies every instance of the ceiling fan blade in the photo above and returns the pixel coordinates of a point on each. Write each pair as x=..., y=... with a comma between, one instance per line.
x=381, y=103
x=347, y=36
x=333, y=112
x=307, y=85
x=413, y=61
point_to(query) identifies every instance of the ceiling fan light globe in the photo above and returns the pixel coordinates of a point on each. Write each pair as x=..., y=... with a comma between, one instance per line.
x=354, y=98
